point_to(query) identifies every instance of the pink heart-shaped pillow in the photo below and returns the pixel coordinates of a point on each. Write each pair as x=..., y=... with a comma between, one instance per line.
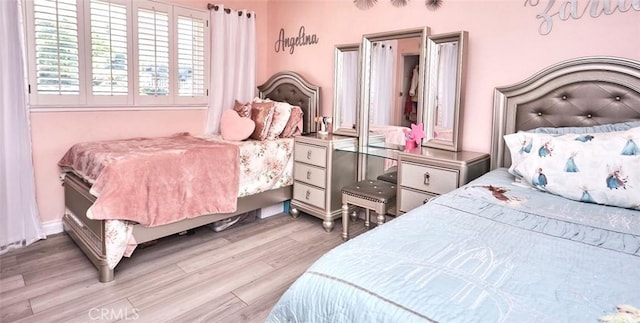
x=234, y=127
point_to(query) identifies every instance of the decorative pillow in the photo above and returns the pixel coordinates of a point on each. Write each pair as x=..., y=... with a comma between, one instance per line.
x=520, y=146
x=593, y=129
x=294, y=124
x=243, y=109
x=601, y=168
x=281, y=116
x=262, y=115
x=234, y=127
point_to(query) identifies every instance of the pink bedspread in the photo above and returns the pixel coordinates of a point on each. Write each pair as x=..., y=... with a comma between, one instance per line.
x=155, y=181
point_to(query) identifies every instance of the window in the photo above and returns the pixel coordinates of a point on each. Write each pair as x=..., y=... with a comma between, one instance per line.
x=109, y=52
x=56, y=55
x=90, y=53
x=191, y=55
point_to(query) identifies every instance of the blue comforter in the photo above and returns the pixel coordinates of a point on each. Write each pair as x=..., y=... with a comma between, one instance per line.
x=490, y=251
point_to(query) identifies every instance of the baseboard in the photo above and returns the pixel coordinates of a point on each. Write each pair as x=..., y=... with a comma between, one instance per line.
x=52, y=227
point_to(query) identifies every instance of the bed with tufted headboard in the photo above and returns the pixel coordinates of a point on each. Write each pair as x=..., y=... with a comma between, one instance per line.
x=504, y=248
x=581, y=92
x=96, y=237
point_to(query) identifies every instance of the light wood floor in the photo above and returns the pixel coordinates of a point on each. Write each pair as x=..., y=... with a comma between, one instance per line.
x=232, y=276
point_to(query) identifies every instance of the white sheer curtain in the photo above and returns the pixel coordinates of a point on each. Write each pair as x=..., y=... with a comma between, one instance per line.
x=383, y=60
x=233, y=62
x=19, y=221
x=348, y=92
x=447, y=76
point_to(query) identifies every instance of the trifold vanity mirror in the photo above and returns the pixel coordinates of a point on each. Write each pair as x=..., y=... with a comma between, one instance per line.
x=345, y=87
x=391, y=84
x=445, y=90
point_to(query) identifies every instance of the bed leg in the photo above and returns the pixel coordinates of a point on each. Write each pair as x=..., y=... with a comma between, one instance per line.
x=106, y=274
x=294, y=213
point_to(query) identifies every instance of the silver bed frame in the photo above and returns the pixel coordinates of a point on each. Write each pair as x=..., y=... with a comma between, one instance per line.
x=580, y=92
x=89, y=234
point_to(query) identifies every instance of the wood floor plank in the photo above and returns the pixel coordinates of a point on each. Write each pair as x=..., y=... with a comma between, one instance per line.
x=47, y=287
x=102, y=295
x=43, y=259
x=7, y=261
x=233, y=275
x=294, y=267
x=88, y=290
x=208, y=288
x=207, y=259
x=256, y=312
x=79, y=263
x=118, y=311
x=51, y=242
x=211, y=273
x=211, y=311
x=11, y=282
x=15, y=311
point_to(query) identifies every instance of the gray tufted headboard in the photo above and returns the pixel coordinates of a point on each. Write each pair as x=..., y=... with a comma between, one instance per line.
x=292, y=88
x=579, y=92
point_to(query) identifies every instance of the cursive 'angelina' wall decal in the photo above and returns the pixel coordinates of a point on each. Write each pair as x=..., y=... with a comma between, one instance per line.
x=572, y=9
x=291, y=42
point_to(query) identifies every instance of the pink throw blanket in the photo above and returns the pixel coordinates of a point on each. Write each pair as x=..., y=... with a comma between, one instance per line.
x=155, y=181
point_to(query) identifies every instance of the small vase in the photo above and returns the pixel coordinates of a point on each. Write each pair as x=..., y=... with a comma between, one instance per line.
x=409, y=144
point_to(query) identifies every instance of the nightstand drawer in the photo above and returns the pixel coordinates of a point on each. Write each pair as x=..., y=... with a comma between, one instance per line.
x=310, y=154
x=309, y=174
x=429, y=179
x=309, y=194
x=410, y=200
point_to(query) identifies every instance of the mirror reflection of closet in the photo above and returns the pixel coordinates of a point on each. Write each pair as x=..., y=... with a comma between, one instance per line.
x=409, y=69
x=345, y=89
x=445, y=93
x=387, y=65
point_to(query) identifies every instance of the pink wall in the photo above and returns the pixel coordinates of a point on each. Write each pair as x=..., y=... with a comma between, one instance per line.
x=504, y=44
x=504, y=47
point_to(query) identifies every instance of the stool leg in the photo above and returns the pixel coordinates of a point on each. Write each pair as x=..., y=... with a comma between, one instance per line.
x=367, y=218
x=380, y=218
x=345, y=221
x=354, y=216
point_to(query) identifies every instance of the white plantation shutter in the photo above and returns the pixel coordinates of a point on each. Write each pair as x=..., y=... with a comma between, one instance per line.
x=153, y=52
x=57, y=63
x=115, y=53
x=109, y=48
x=191, y=53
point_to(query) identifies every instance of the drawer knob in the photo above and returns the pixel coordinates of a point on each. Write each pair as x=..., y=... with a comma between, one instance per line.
x=308, y=174
x=308, y=154
x=308, y=195
x=427, y=177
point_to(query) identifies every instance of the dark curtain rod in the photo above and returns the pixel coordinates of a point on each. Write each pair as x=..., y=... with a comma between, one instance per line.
x=227, y=10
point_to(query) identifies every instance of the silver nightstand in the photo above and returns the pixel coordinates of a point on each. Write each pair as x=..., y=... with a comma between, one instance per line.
x=320, y=171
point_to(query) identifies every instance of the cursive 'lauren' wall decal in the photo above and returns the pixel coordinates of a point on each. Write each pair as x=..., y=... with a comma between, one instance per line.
x=292, y=42
x=571, y=9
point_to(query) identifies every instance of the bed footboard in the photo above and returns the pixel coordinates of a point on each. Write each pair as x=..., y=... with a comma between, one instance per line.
x=86, y=233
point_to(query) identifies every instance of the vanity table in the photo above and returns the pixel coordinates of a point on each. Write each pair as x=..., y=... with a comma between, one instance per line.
x=422, y=172
x=323, y=164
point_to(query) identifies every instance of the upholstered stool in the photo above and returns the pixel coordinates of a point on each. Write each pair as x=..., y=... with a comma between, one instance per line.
x=390, y=175
x=373, y=195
